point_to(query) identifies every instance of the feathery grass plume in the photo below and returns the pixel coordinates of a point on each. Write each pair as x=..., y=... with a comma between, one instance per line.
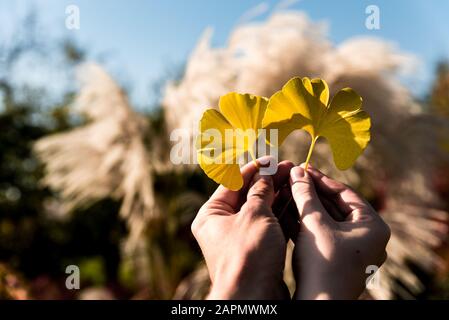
x=195, y=286
x=104, y=158
x=405, y=149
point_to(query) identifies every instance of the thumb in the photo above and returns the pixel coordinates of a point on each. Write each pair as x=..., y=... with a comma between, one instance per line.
x=261, y=193
x=311, y=211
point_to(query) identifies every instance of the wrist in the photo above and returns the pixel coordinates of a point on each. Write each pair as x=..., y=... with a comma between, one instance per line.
x=241, y=291
x=244, y=283
x=234, y=286
x=332, y=289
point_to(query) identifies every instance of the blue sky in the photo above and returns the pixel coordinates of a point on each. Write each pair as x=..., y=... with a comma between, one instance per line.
x=145, y=38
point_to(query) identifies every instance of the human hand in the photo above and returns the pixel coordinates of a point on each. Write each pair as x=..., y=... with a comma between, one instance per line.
x=340, y=234
x=241, y=239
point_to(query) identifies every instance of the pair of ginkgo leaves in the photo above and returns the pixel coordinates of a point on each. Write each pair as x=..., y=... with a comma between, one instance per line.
x=301, y=104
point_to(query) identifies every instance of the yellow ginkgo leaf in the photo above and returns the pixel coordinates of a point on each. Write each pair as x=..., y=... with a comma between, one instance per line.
x=304, y=104
x=227, y=134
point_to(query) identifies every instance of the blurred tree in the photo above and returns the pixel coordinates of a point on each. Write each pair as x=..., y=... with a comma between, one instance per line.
x=439, y=95
x=34, y=240
x=437, y=102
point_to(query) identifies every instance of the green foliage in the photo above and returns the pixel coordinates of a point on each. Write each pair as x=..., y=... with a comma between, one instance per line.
x=439, y=98
x=36, y=237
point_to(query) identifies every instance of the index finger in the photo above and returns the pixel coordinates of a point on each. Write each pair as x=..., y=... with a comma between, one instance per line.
x=345, y=198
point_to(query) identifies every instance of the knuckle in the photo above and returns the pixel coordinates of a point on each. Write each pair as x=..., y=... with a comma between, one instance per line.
x=256, y=195
x=197, y=224
x=381, y=230
x=194, y=227
x=252, y=205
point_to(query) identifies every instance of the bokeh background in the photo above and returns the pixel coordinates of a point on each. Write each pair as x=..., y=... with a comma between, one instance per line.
x=86, y=116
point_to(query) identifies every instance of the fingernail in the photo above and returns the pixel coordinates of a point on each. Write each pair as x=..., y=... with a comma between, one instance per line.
x=297, y=173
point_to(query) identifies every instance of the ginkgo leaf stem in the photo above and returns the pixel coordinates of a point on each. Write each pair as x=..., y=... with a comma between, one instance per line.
x=309, y=155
